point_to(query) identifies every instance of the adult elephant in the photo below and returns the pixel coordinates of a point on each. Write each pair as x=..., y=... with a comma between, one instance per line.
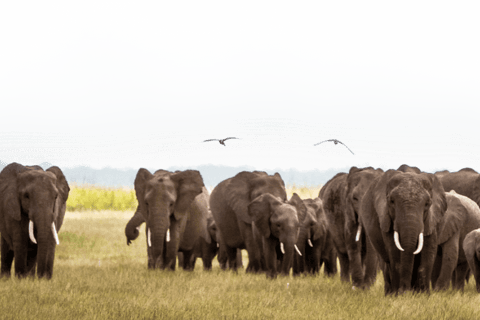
x=32, y=208
x=229, y=203
x=462, y=216
x=174, y=206
x=342, y=196
x=471, y=247
x=276, y=225
x=402, y=214
x=315, y=242
x=465, y=182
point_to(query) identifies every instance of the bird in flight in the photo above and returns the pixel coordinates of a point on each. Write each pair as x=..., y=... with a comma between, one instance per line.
x=336, y=142
x=222, y=141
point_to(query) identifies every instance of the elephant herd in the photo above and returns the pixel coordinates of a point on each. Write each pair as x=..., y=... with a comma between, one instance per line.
x=421, y=229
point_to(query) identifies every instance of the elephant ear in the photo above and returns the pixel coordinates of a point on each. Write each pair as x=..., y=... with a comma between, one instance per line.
x=189, y=184
x=8, y=188
x=62, y=184
x=237, y=194
x=279, y=178
x=143, y=175
x=439, y=202
x=380, y=200
x=454, y=218
x=261, y=210
x=63, y=191
x=300, y=206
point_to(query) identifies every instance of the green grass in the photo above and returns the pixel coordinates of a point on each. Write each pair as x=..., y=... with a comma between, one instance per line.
x=90, y=197
x=97, y=276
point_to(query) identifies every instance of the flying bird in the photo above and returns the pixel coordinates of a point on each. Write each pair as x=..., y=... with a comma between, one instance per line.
x=222, y=141
x=336, y=142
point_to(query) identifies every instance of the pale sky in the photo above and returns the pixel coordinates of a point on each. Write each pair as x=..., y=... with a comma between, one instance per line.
x=131, y=84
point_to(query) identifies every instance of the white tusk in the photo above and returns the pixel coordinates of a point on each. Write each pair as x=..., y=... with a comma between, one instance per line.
x=218, y=245
x=168, y=235
x=310, y=243
x=282, y=248
x=55, y=235
x=138, y=228
x=149, y=237
x=298, y=251
x=30, y=232
x=359, y=232
x=420, y=243
x=397, y=242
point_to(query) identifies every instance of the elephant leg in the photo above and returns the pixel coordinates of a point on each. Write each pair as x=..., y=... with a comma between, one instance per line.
x=239, y=259
x=449, y=260
x=252, y=248
x=475, y=267
x=187, y=260
x=222, y=256
x=459, y=275
x=344, y=267
x=6, y=259
x=231, y=258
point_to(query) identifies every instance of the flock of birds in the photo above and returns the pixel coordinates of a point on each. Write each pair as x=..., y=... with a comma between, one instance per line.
x=335, y=141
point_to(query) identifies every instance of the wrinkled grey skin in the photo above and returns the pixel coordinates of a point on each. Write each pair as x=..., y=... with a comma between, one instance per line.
x=276, y=222
x=465, y=182
x=30, y=194
x=462, y=216
x=342, y=196
x=229, y=203
x=410, y=204
x=208, y=251
x=174, y=201
x=315, y=242
x=471, y=247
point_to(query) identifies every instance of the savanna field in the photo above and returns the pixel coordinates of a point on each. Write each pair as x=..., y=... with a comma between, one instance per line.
x=97, y=276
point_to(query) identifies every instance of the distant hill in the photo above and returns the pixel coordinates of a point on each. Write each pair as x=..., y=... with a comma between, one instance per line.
x=212, y=175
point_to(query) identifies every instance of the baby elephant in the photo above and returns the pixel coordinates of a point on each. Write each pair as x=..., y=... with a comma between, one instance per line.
x=471, y=246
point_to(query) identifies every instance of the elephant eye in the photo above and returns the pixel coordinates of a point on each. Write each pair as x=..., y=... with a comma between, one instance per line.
x=26, y=195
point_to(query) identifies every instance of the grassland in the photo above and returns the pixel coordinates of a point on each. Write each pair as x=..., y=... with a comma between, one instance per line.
x=97, y=276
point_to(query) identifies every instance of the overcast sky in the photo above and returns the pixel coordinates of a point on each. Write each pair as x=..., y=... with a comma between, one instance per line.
x=131, y=84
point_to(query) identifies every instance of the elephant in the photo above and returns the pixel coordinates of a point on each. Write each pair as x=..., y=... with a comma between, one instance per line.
x=402, y=214
x=471, y=247
x=174, y=206
x=208, y=251
x=462, y=216
x=342, y=196
x=229, y=203
x=276, y=226
x=32, y=209
x=315, y=242
x=465, y=182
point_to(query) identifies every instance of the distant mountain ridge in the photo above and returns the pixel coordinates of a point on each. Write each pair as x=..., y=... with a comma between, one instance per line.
x=212, y=175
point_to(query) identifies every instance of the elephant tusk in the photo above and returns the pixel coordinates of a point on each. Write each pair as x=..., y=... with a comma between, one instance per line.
x=218, y=245
x=420, y=243
x=138, y=228
x=149, y=237
x=298, y=251
x=282, y=248
x=55, y=235
x=168, y=235
x=30, y=232
x=359, y=232
x=397, y=241
x=310, y=243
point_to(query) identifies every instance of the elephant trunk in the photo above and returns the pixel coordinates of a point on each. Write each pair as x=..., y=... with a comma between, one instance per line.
x=131, y=229
x=157, y=227
x=290, y=250
x=47, y=239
